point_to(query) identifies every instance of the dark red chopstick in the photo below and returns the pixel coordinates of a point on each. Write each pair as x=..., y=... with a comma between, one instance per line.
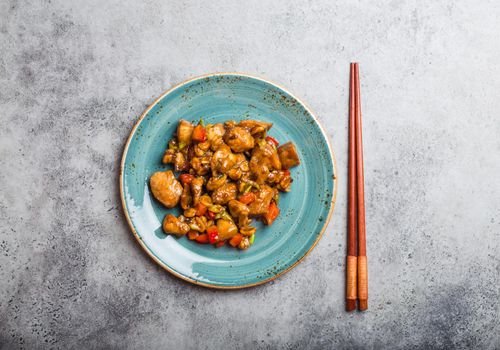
x=362, y=261
x=351, y=274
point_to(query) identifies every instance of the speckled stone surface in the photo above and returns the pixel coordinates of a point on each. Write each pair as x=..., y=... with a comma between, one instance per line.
x=75, y=75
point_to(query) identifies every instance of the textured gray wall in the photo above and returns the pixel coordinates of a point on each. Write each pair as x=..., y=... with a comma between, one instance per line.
x=75, y=75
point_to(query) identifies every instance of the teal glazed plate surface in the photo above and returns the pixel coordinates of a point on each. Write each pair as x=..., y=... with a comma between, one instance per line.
x=305, y=210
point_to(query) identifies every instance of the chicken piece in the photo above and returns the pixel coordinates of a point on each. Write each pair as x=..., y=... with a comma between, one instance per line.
x=240, y=168
x=239, y=139
x=215, y=133
x=165, y=187
x=215, y=182
x=180, y=162
x=240, y=211
x=260, y=205
x=264, y=159
x=201, y=165
x=222, y=160
x=168, y=157
x=255, y=126
x=197, y=188
x=186, y=197
x=225, y=193
x=184, y=132
x=174, y=226
x=288, y=155
x=227, y=229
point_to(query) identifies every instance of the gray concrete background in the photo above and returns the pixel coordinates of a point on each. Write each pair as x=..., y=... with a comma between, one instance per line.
x=75, y=75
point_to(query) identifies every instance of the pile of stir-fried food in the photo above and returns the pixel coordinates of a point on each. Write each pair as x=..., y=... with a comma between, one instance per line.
x=231, y=173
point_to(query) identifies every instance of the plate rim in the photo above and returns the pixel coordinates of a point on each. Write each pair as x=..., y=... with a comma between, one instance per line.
x=147, y=249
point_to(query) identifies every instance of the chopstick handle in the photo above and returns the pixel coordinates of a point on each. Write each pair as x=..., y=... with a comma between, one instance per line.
x=363, y=283
x=351, y=283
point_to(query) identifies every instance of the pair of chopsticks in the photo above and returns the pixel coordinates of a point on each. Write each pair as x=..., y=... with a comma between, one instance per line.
x=357, y=268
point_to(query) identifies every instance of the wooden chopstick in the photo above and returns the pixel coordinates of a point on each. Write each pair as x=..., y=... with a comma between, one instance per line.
x=362, y=261
x=351, y=274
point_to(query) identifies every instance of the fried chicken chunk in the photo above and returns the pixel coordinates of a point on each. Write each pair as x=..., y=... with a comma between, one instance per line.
x=165, y=187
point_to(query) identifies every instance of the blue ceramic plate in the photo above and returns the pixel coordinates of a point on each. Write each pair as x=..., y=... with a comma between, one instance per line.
x=305, y=211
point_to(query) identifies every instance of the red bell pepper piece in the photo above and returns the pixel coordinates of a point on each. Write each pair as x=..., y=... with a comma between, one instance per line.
x=213, y=234
x=247, y=198
x=236, y=239
x=272, y=213
x=203, y=238
x=199, y=134
x=201, y=209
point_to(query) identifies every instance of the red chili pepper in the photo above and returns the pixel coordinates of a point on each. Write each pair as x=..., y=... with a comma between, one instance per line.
x=220, y=244
x=199, y=134
x=287, y=172
x=272, y=140
x=186, y=178
x=213, y=234
x=211, y=215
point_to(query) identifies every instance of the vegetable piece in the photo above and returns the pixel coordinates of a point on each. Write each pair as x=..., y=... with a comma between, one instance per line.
x=199, y=134
x=272, y=214
x=165, y=187
x=213, y=234
x=220, y=244
x=192, y=235
x=211, y=215
x=247, y=198
x=272, y=140
x=203, y=238
x=252, y=239
x=236, y=240
x=226, y=228
x=201, y=209
x=186, y=178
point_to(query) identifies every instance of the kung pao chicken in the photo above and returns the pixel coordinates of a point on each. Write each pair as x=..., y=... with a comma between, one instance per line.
x=230, y=173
